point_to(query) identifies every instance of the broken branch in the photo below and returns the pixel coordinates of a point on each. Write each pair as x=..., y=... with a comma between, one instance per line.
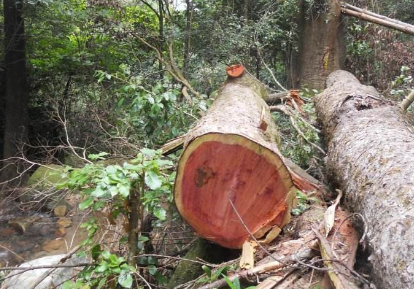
x=377, y=19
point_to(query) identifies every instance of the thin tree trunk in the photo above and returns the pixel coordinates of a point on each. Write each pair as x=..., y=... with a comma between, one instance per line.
x=371, y=155
x=161, y=34
x=187, y=37
x=16, y=97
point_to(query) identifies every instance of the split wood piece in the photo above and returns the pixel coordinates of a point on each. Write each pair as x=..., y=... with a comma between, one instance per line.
x=247, y=256
x=338, y=274
x=232, y=156
x=305, y=253
x=371, y=155
x=344, y=238
x=407, y=101
x=377, y=19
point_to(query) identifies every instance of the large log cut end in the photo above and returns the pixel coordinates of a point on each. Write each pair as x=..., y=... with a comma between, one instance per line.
x=231, y=164
x=216, y=169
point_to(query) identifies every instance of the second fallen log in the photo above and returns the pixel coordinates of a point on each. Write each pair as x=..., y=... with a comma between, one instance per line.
x=232, y=156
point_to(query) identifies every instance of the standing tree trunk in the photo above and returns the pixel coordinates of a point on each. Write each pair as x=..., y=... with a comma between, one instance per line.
x=371, y=154
x=187, y=37
x=16, y=97
x=231, y=158
x=321, y=45
x=160, y=34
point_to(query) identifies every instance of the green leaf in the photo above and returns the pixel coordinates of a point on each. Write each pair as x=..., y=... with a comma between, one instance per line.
x=86, y=203
x=96, y=251
x=149, y=153
x=124, y=189
x=236, y=283
x=67, y=285
x=141, y=260
x=100, y=156
x=206, y=270
x=152, y=269
x=101, y=268
x=102, y=283
x=111, y=169
x=161, y=279
x=113, y=190
x=106, y=254
x=125, y=279
x=230, y=283
x=143, y=238
x=99, y=192
x=152, y=261
x=218, y=272
x=153, y=180
x=160, y=213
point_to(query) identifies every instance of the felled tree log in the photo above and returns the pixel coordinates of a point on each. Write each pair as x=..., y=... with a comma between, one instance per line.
x=371, y=154
x=232, y=156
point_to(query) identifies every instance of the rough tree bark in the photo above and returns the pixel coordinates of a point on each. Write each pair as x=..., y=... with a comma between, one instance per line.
x=321, y=45
x=232, y=156
x=16, y=98
x=371, y=154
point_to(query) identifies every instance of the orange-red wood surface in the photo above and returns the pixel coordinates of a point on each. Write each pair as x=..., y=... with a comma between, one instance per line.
x=216, y=173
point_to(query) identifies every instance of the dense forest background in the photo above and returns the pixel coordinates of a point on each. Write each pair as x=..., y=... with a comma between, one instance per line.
x=111, y=73
x=87, y=80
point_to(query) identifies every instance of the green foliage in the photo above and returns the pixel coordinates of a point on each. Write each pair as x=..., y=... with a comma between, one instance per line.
x=100, y=184
x=212, y=276
x=402, y=84
x=375, y=54
x=104, y=186
x=304, y=201
x=294, y=146
x=150, y=116
x=235, y=284
x=109, y=266
x=359, y=47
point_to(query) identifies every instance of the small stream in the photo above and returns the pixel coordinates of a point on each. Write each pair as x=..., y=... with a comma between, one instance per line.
x=28, y=235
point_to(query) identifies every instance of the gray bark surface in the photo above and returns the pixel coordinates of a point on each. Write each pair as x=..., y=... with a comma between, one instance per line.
x=371, y=155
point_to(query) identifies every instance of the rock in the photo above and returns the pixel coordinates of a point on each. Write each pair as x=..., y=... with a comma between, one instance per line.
x=64, y=222
x=54, y=245
x=47, y=177
x=6, y=232
x=55, y=280
x=9, y=259
x=53, y=203
x=61, y=232
x=60, y=211
x=22, y=224
x=43, y=227
x=73, y=161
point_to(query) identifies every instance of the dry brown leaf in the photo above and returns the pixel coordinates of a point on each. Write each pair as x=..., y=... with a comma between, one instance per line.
x=330, y=214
